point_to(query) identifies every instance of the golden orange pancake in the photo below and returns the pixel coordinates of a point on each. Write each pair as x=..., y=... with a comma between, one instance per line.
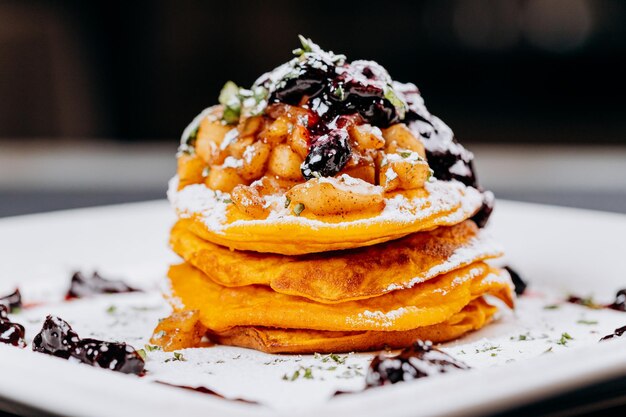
x=434, y=301
x=339, y=276
x=217, y=220
x=274, y=340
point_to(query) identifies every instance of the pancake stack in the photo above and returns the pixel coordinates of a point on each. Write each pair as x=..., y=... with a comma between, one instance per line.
x=325, y=210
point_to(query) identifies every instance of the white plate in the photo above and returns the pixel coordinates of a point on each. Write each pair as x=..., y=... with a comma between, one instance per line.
x=564, y=249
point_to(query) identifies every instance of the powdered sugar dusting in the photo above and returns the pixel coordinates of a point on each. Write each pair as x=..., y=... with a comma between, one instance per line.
x=482, y=246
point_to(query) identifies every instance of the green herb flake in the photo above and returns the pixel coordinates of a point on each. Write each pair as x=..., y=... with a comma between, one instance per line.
x=178, y=357
x=405, y=154
x=565, y=337
x=229, y=94
x=111, y=309
x=231, y=115
x=340, y=93
x=142, y=353
x=552, y=307
x=306, y=46
x=396, y=101
x=298, y=208
x=587, y=322
x=151, y=348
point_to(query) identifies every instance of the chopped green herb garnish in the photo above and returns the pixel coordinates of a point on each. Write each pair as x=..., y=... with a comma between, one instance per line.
x=307, y=46
x=405, y=154
x=552, y=307
x=589, y=322
x=229, y=93
x=396, y=101
x=340, y=93
x=177, y=357
x=151, y=348
x=111, y=309
x=299, y=208
x=231, y=114
x=565, y=337
x=548, y=350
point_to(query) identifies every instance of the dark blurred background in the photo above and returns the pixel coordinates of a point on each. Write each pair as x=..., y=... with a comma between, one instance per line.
x=497, y=71
x=87, y=74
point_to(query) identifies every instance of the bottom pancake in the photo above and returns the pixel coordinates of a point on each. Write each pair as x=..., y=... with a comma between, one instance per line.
x=274, y=340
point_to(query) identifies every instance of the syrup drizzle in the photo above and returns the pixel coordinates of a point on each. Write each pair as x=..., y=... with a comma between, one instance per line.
x=418, y=361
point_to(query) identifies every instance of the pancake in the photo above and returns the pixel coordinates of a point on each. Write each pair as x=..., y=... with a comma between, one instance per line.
x=273, y=340
x=217, y=220
x=221, y=308
x=340, y=276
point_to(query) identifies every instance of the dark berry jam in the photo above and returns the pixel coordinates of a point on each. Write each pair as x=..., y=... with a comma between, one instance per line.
x=13, y=301
x=10, y=333
x=333, y=88
x=418, y=361
x=82, y=286
x=327, y=155
x=518, y=282
x=58, y=339
x=481, y=217
x=617, y=333
x=118, y=357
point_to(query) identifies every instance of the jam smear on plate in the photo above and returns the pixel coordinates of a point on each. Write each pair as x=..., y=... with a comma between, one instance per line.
x=418, y=361
x=617, y=333
x=13, y=301
x=205, y=390
x=619, y=304
x=518, y=282
x=57, y=338
x=84, y=286
x=10, y=333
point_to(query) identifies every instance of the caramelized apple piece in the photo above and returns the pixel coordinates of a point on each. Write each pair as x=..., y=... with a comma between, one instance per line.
x=285, y=163
x=399, y=136
x=179, y=331
x=405, y=170
x=328, y=196
x=190, y=168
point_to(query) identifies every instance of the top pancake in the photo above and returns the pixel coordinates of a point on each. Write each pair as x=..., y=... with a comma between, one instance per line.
x=439, y=203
